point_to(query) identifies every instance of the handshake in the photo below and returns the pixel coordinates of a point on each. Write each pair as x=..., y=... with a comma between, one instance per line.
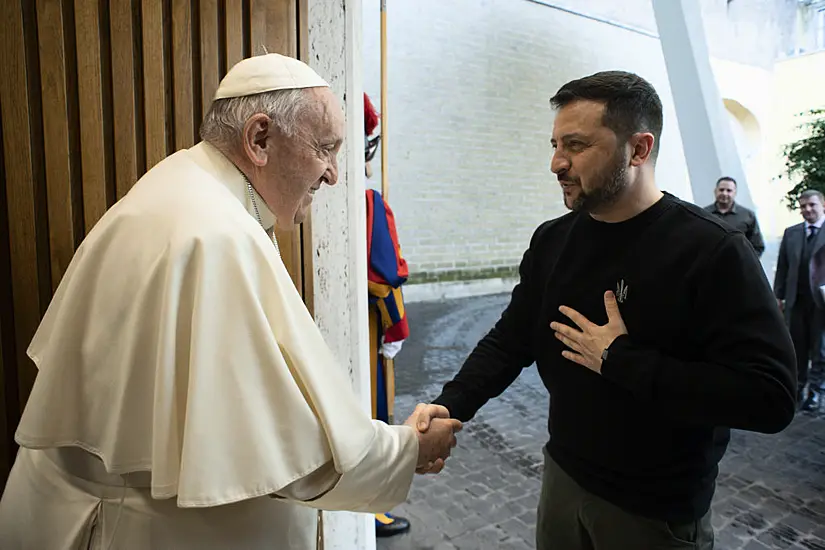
x=436, y=436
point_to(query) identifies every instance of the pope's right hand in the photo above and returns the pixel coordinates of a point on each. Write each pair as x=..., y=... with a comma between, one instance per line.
x=437, y=439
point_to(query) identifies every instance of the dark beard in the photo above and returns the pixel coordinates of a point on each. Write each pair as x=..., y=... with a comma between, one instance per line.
x=610, y=185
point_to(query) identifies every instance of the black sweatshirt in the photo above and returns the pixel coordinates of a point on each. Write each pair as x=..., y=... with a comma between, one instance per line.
x=706, y=350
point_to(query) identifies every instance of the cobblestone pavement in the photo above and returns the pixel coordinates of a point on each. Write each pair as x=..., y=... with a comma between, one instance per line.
x=771, y=491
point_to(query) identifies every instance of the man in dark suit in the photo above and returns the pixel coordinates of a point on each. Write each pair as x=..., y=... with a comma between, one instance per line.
x=736, y=215
x=800, y=274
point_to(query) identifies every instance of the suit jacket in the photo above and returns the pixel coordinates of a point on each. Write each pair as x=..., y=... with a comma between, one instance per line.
x=786, y=283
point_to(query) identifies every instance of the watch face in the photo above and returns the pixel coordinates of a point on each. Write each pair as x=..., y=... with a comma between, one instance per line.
x=604, y=355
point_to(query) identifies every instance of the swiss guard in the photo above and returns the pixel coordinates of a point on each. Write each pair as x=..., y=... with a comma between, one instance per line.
x=388, y=322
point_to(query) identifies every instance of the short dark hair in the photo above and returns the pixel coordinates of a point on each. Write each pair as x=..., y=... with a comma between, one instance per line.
x=631, y=103
x=726, y=178
x=808, y=193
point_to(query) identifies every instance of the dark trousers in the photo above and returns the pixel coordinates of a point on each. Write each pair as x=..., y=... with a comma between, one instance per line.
x=570, y=518
x=807, y=328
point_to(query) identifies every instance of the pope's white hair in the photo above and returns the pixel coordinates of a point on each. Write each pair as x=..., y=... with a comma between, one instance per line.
x=224, y=122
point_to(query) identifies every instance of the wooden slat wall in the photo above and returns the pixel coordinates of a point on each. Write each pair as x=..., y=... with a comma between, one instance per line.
x=183, y=99
x=93, y=94
x=24, y=253
x=8, y=404
x=155, y=81
x=96, y=163
x=234, y=24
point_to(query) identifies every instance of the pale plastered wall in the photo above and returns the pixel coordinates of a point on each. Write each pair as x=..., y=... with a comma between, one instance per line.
x=798, y=86
x=339, y=232
x=747, y=92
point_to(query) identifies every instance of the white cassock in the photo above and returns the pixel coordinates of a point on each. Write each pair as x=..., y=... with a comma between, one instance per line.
x=185, y=397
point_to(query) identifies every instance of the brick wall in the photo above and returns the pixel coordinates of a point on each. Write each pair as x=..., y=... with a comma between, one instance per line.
x=469, y=120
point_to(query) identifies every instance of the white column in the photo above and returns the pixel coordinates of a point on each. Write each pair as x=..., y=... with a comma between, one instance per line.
x=339, y=232
x=710, y=149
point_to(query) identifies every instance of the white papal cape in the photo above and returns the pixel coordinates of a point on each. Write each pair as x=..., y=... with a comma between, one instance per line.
x=182, y=384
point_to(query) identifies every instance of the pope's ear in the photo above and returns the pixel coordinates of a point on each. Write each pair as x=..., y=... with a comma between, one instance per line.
x=255, y=134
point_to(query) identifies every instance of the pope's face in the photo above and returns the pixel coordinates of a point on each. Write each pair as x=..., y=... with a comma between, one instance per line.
x=305, y=161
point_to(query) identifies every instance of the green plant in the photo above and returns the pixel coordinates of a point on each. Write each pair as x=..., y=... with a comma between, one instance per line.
x=805, y=158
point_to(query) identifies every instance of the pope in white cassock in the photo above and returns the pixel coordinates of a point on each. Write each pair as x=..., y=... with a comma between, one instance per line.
x=185, y=398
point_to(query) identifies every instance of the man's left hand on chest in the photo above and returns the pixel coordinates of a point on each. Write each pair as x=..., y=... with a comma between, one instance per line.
x=588, y=343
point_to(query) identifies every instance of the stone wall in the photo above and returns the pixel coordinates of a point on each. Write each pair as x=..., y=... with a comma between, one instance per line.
x=339, y=233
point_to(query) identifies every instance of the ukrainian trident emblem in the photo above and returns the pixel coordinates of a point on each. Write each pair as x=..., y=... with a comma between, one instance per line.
x=621, y=291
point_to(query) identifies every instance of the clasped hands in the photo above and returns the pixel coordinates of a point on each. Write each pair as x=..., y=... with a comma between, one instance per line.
x=436, y=436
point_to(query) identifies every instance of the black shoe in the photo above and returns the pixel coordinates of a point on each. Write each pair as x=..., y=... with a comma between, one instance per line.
x=387, y=525
x=811, y=402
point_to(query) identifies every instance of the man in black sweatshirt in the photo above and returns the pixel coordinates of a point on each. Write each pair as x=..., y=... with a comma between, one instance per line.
x=653, y=328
